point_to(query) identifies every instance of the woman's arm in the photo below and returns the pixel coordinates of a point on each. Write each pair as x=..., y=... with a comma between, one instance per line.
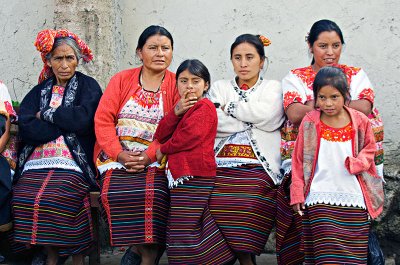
x=296, y=111
x=6, y=135
x=227, y=125
x=32, y=130
x=298, y=183
x=77, y=119
x=363, y=105
x=364, y=159
x=191, y=131
x=264, y=108
x=105, y=119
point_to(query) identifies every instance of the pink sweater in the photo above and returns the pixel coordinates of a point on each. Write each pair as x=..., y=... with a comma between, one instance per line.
x=305, y=156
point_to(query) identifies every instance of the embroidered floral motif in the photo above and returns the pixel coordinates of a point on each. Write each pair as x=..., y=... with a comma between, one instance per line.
x=368, y=94
x=147, y=98
x=233, y=150
x=231, y=108
x=291, y=97
x=336, y=134
x=306, y=74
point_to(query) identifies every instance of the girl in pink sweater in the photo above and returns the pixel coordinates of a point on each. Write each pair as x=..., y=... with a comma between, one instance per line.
x=335, y=186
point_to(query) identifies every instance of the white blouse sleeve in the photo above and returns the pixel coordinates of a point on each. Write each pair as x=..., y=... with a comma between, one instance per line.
x=227, y=125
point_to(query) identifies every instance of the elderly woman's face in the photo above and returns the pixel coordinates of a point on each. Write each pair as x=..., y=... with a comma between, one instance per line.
x=156, y=53
x=63, y=62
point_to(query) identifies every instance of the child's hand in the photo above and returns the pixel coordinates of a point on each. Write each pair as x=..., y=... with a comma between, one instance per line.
x=186, y=102
x=298, y=208
x=159, y=156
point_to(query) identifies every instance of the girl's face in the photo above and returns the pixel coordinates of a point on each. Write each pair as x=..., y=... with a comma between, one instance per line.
x=326, y=49
x=156, y=53
x=246, y=63
x=195, y=85
x=330, y=101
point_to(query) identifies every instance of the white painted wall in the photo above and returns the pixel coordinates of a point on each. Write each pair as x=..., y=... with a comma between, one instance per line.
x=205, y=29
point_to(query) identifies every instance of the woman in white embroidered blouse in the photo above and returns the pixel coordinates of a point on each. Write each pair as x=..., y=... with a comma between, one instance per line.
x=250, y=114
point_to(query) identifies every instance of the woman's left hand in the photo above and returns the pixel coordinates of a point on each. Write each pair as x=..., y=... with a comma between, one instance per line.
x=138, y=163
x=38, y=115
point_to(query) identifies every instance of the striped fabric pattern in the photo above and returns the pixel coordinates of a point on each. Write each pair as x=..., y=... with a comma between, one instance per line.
x=288, y=228
x=244, y=207
x=193, y=236
x=51, y=207
x=136, y=206
x=335, y=234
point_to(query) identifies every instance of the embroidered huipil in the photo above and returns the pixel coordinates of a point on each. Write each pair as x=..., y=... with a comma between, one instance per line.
x=338, y=186
x=54, y=154
x=248, y=126
x=297, y=88
x=137, y=123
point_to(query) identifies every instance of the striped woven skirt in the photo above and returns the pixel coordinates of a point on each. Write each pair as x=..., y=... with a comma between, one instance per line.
x=193, y=236
x=244, y=206
x=335, y=234
x=51, y=207
x=288, y=228
x=136, y=206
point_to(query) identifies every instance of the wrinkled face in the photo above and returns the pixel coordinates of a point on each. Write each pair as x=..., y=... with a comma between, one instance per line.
x=326, y=49
x=195, y=85
x=156, y=53
x=330, y=101
x=246, y=63
x=63, y=62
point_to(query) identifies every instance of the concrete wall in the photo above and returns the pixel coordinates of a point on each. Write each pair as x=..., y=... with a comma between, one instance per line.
x=205, y=30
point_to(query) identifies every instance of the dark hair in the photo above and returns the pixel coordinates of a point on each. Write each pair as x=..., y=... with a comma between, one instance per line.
x=151, y=31
x=195, y=67
x=322, y=26
x=331, y=76
x=252, y=39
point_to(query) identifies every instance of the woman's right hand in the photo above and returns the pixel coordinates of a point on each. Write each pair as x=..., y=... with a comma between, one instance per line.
x=133, y=161
x=185, y=103
x=298, y=208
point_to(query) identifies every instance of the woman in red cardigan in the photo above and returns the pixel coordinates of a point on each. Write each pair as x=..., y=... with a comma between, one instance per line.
x=134, y=192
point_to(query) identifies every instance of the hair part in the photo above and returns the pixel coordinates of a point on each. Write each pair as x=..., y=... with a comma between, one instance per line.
x=70, y=42
x=151, y=31
x=322, y=26
x=334, y=77
x=195, y=67
x=251, y=39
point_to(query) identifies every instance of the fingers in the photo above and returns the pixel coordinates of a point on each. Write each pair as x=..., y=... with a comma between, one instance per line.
x=298, y=208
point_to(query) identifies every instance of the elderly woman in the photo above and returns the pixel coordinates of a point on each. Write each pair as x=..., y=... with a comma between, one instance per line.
x=134, y=192
x=51, y=196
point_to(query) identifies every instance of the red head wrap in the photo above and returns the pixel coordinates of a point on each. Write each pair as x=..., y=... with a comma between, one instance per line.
x=44, y=44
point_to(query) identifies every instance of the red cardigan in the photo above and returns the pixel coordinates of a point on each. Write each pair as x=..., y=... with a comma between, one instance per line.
x=189, y=141
x=121, y=87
